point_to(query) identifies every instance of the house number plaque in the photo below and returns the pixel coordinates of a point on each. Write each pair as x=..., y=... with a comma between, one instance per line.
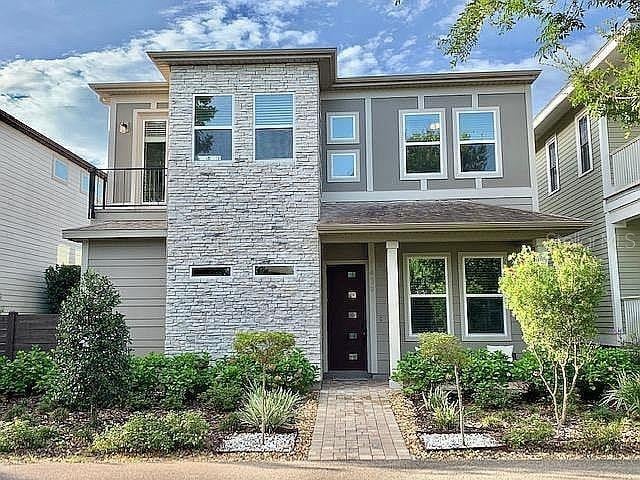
x=351, y=274
x=353, y=336
x=353, y=356
x=351, y=295
x=353, y=314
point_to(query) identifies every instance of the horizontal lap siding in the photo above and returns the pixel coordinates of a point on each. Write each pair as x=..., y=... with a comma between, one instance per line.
x=628, y=244
x=138, y=270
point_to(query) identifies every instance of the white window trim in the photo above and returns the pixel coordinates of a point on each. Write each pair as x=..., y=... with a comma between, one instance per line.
x=141, y=117
x=471, y=337
x=356, y=128
x=207, y=278
x=64, y=181
x=84, y=174
x=551, y=140
x=292, y=127
x=409, y=335
x=275, y=264
x=356, y=170
x=442, y=174
x=580, y=116
x=195, y=127
x=457, y=142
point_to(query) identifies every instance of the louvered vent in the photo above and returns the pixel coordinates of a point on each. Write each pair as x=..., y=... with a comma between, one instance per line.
x=155, y=130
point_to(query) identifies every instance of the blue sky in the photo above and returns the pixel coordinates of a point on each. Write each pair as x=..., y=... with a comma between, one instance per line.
x=51, y=49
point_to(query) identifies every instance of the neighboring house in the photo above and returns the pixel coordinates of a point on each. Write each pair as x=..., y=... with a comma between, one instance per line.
x=255, y=190
x=43, y=189
x=590, y=168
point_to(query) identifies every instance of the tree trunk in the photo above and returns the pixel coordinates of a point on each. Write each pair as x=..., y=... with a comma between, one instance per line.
x=460, y=405
x=263, y=427
x=565, y=396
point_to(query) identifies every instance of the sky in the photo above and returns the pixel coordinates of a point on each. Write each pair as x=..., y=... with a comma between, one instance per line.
x=51, y=49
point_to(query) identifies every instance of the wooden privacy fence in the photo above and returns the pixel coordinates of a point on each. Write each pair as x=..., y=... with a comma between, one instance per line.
x=24, y=331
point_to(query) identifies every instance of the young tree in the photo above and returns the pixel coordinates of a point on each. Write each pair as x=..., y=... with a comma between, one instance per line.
x=92, y=355
x=447, y=350
x=60, y=279
x=554, y=295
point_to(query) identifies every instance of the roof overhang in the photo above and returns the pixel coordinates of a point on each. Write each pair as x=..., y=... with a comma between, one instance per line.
x=118, y=229
x=107, y=90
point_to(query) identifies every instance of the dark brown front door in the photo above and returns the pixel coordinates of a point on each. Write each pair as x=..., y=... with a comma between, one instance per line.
x=346, y=322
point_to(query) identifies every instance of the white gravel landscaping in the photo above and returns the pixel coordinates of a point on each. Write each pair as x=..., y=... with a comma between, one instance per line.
x=252, y=442
x=451, y=441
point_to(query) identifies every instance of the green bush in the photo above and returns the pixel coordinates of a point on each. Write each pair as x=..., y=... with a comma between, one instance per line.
x=268, y=409
x=22, y=435
x=485, y=367
x=29, y=373
x=293, y=371
x=145, y=433
x=527, y=370
x=444, y=410
x=263, y=347
x=601, y=372
x=625, y=394
x=60, y=281
x=599, y=436
x=531, y=432
x=417, y=374
x=494, y=396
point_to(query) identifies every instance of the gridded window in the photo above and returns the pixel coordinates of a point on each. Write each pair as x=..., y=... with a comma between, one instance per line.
x=343, y=128
x=273, y=126
x=478, y=146
x=484, y=304
x=60, y=170
x=213, y=128
x=583, y=139
x=427, y=285
x=343, y=166
x=553, y=177
x=423, y=147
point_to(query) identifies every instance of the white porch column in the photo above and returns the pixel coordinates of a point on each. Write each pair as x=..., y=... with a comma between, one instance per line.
x=393, y=305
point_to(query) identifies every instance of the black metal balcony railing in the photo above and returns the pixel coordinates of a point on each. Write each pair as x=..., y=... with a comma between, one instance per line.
x=126, y=187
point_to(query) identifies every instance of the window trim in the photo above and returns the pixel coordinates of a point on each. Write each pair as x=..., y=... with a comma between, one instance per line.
x=275, y=264
x=64, y=181
x=442, y=174
x=209, y=277
x=498, y=173
x=409, y=335
x=195, y=127
x=292, y=127
x=356, y=128
x=580, y=116
x=506, y=318
x=553, y=139
x=339, y=179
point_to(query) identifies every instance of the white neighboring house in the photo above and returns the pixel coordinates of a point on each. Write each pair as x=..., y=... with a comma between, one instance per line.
x=43, y=190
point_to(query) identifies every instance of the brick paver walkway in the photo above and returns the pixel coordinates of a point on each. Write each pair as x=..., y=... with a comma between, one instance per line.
x=355, y=422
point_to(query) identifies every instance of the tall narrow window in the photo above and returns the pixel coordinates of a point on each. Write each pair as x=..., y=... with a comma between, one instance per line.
x=154, y=160
x=483, y=302
x=427, y=286
x=553, y=176
x=213, y=128
x=478, y=150
x=84, y=182
x=423, y=147
x=273, y=126
x=583, y=140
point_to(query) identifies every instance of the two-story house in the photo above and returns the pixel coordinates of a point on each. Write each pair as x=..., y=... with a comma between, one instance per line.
x=257, y=190
x=590, y=168
x=43, y=189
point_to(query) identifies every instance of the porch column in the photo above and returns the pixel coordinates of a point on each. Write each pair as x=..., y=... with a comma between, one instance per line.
x=393, y=304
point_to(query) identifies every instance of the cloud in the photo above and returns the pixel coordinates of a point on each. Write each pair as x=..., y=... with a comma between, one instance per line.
x=356, y=60
x=452, y=16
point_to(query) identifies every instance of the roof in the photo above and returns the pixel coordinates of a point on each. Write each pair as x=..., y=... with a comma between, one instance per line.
x=46, y=141
x=118, y=229
x=440, y=215
x=107, y=90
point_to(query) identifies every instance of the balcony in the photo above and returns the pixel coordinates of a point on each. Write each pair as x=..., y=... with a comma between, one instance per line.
x=625, y=165
x=115, y=188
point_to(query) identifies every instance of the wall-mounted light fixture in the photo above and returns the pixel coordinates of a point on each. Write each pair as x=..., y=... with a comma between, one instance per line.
x=124, y=127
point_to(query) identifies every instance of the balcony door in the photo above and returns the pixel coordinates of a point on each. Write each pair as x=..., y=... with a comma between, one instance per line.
x=148, y=177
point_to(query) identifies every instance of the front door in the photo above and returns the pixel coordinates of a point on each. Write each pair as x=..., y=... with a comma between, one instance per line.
x=346, y=317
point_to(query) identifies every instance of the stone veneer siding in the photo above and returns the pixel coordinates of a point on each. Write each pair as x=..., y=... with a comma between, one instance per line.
x=246, y=213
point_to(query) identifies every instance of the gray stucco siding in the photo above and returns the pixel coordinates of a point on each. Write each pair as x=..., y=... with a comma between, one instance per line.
x=124, y=141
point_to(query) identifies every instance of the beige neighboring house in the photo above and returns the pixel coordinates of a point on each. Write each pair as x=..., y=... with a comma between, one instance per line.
x=43, y=190
x=589, y=167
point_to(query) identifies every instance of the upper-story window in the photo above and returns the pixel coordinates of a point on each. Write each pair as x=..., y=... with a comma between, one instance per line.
x=154, y=157
x=343, y=166
x=60, y=170
x=343, y=128
x=553, y=175
x=583, y=141
x=84, y=182
x=213, y=128
x=423, y=148
x=477, y=137
x=273, y=123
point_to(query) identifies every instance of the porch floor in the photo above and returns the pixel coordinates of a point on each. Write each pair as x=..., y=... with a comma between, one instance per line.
x=355, y=422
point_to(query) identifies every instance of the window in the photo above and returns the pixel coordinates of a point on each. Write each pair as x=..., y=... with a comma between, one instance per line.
x=217, y=271
x=553, y=175
x=273, y=123
x=84, y=182
x=154, y=160
x=427, y=287
x=213, y=128
x=60, y=170
x=423, y=148
x=483, y=303
x=273, y=270
x=343, y=166
x=343, y=127
x=477, y=150
x=583, y=141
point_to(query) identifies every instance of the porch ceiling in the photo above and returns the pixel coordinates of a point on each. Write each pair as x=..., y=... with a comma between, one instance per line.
x=439, y=216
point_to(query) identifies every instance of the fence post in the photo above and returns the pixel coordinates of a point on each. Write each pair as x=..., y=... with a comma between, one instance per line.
x=11, y=334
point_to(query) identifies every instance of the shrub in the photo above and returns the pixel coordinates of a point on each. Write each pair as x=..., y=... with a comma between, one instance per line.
x=600, y=373
x=27, y=374
x=493, y=395
x=263, y=347
x=293, y=371
x=228, y=378
x=625, y=395
x=418, y=374
x=60, y=280
x=229, y=423
x=92, y=356
x=485, y=367
x=145, y=433
x=526, y=369
x=601, y=436
x=268, y=410
x=530, y=433
x=445, y=412
x=22, y=435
